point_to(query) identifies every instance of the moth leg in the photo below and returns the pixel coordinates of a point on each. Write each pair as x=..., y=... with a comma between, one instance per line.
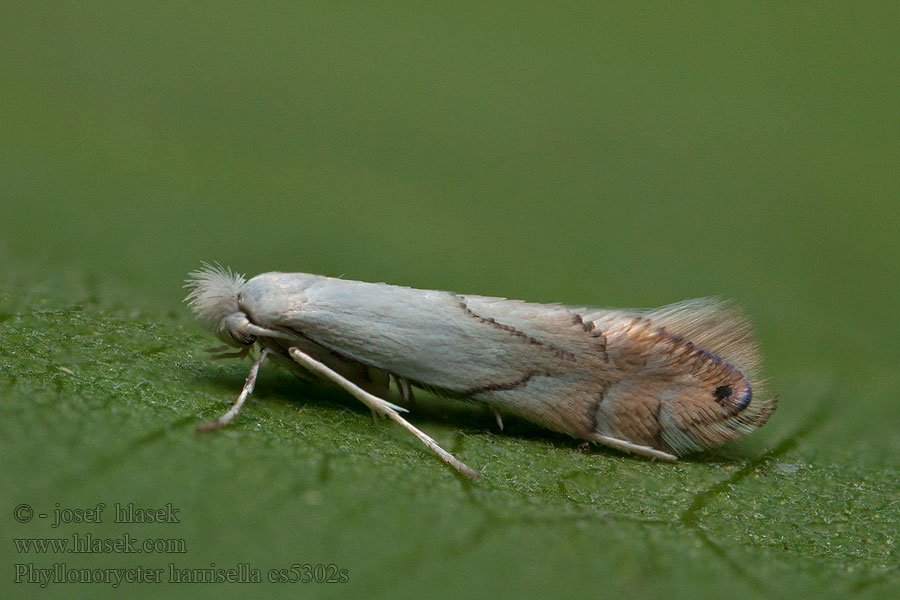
x=382, y=407
x=498, y=417
x=232, y=412
x=632, y=448
x=406, y=393
x=236, y=354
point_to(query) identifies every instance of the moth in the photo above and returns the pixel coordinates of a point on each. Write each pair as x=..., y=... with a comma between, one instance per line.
x=660, y=383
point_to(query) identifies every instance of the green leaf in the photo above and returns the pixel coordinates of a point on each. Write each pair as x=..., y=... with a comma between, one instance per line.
x=601, y=156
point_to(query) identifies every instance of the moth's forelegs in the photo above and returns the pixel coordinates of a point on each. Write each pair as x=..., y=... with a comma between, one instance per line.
x=218, y=352
x=382, y=407
x=229, y=416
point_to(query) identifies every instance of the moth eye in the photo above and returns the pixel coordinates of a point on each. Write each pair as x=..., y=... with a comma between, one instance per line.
x=242, y=301
x=722, y=393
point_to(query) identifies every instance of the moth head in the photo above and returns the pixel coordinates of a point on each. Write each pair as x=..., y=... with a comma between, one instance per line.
x=215, y=299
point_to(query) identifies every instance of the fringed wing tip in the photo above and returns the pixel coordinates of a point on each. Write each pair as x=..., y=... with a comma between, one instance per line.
x=719, y=327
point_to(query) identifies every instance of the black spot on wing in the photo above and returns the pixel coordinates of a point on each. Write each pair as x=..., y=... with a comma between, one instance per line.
x=722, y=393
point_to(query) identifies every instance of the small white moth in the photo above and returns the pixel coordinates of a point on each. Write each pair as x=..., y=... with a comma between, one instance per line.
x=660, y=383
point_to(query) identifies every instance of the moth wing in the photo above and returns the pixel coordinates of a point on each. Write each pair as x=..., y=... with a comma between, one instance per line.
x=438, y=339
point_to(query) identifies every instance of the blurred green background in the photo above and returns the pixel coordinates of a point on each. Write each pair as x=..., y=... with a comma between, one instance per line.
x=592, y=154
